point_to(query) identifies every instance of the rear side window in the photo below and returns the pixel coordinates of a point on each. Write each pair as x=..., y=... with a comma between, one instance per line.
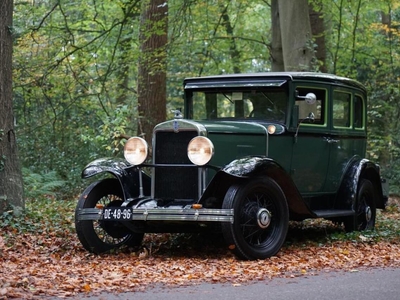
x=341, y=109
x=358, y=120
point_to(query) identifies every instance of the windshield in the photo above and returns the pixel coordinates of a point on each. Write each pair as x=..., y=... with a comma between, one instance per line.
x=265, y=104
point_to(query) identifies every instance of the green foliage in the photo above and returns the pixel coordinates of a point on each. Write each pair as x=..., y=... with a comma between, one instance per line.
x=42, y=215
x=75, y=70
x=12, y=218
x=202, y=44
x=363, y=41
x=67, y=70
x=387, y=228
x=113, y=126
x=40, y=185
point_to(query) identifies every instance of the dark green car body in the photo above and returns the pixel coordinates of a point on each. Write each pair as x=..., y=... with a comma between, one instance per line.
x=287, y=146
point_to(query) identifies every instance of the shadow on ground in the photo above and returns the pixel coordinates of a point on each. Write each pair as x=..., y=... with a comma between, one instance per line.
x=199, y=245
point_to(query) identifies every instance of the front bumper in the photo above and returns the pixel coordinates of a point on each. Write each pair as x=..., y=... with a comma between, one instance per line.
x=156, y=214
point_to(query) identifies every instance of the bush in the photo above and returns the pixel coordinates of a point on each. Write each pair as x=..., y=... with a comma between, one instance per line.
x=40, y=185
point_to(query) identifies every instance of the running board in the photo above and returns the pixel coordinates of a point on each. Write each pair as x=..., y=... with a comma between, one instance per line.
x=332, y=213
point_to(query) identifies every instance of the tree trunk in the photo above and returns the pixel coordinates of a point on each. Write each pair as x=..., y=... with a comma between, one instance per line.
x=318, y=33
x=152, y=66
x=297, y=45
x=276, y=41
x=11, y=185
x=233, y=50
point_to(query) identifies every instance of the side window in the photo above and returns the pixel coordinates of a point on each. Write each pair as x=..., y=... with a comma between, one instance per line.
x=318, y=108
x=341, y=109
x=358, y=120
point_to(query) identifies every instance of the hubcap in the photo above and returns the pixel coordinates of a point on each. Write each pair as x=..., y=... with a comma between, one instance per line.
x=368, y=213
x=263, y=218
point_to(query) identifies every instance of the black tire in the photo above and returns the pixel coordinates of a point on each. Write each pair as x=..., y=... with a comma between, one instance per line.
x=365, y=208
x=261, y=219
x=99, y=236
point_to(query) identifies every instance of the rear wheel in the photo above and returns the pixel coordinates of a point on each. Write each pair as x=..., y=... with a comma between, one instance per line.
x=365, y=208
x=261, y=219
x=99, y=236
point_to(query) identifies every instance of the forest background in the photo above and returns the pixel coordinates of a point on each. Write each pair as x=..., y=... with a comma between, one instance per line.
x=76, y=69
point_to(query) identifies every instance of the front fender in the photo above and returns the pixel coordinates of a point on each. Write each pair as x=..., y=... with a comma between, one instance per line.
x=117, y=167
x=259, y=166
x=250, y=166
x=127, y=175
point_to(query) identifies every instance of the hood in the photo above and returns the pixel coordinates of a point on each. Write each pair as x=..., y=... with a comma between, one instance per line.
x=226, y=126
x=241, y=127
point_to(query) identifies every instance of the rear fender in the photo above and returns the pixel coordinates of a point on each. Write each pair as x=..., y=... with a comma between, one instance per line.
x=127, y=175
x=359, y=168
x=258, y=166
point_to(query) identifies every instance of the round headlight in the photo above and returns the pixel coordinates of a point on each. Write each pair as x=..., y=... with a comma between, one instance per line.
x=135, y=150
x=200, y=150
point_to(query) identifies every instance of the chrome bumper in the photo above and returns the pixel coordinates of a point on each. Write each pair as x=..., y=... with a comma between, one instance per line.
x=162, y=214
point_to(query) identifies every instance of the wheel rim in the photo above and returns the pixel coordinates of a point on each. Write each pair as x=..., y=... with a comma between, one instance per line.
x=365, y=213
x=256, y=220
x=368, y=214
x=263, y=218
x=112, y=233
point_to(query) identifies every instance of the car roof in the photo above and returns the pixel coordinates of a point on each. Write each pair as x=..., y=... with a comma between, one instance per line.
x=292, y=76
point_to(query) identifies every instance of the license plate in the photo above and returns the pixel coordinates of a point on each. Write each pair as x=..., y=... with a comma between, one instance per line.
x=116, y=213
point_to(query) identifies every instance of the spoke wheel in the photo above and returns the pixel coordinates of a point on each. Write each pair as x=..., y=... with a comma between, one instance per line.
x=100, y=236
x=261, y=219
x=365, y=208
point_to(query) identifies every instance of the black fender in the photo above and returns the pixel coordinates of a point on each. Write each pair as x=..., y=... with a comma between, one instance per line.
x=356, y=169
x=127, y=175
x=258, y=166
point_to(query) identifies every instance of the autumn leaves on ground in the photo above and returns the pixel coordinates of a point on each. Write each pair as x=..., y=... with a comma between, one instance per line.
x=41, y=256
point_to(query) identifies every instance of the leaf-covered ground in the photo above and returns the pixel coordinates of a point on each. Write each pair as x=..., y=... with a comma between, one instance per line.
x=41, y=256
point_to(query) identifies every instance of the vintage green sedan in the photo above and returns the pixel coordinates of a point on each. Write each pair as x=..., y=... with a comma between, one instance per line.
x=248, y=153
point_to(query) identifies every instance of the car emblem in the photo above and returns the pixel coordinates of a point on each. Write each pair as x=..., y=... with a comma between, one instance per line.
x=176, y=126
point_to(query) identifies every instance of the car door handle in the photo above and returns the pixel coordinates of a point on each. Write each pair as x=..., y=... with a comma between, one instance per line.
x=330, y=140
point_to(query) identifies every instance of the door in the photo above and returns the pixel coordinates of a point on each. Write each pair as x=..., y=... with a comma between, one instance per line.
x=311, y=150
x=348, y=137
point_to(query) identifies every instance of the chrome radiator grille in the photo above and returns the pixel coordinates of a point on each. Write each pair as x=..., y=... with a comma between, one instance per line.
x=174, y=182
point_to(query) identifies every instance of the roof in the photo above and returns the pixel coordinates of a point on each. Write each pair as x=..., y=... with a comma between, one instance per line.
x=268, y=76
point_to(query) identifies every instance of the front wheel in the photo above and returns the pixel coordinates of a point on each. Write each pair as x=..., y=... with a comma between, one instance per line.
x=365, y=208
x=100, y=236
x=261, y=219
